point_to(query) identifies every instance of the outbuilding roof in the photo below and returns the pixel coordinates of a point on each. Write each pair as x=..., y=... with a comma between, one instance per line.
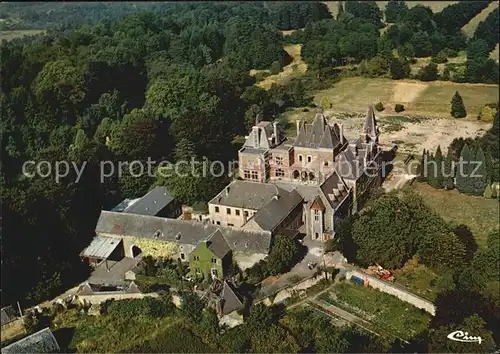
x=8, y=314
x=180, y=231
x=277, y=209
x=152, y=203
x=40, y=342
x=101, y=247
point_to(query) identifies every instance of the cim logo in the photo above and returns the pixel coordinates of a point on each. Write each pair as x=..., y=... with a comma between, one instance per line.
x=460, y=336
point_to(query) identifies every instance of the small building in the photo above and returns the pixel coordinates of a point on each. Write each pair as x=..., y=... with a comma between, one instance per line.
x=102, y=249
x=12, y=323
x=40, y=342
x=157, y=202
x=212, y=257
x=222, y=297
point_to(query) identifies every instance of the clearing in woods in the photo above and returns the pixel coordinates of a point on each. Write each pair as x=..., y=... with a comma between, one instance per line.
x=10, y=35
x=430, y=99
x=436, y=6
x=296, y=67
x=470, y=27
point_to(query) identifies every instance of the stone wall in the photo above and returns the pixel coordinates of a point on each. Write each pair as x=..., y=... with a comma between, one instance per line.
x=98, y=298
x=394, y=290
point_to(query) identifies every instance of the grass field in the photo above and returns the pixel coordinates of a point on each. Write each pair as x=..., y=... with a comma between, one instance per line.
x=10, y=35
x=470, y=27
x=479, y=214
x=436, y=6
x=295, y=68
x=384, y=311
x=431, y=99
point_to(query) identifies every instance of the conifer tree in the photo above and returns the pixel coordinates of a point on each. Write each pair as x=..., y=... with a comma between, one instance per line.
x=457, y=106
x=478, y=172
x=432, y=171
x=488, y=192
x=488, y=159
x=448, y=171
x=462, y=172
x=420, y=168
x=340, y=10
x=439, y=168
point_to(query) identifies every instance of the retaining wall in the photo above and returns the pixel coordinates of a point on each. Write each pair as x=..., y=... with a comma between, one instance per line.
x=395, y=290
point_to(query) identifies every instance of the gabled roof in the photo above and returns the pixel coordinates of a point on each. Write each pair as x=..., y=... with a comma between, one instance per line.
x=217, y=244
x=277, y=209
x=247, y=194
x=317, y=135
x=8, y=314
x=259, y=136
x=179, y=231
x=40, y=342
x=317, y=204
x=152, y=203
x=334, y=182
x=231, y=300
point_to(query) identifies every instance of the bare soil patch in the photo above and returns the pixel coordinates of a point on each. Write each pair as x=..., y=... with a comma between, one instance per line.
x=405, y=92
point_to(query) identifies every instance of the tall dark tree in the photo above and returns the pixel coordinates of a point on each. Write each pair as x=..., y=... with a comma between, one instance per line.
x=457, y=106
x=479, y=172
x=463, y=181
x=448, y=171
x=439, y=168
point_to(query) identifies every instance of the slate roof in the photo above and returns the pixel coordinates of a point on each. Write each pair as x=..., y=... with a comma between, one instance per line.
x=334, y=181
x=217, y=244
x=124, y=204
x=231, y=300
x=318, y=134
x=276, y=210
x=152, y=203
x=40, y=342
x=264, y=131
x=100, y=247
x=247, y=194
x=8, y=314
x=180, y=231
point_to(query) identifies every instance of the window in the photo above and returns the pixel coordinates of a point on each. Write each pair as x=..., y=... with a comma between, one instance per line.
x=300, y=158
x=183, y=257
x=316, y=235
x=246, y=174
x=214, y=260
x=196, y=258
x=230, y=224
x=216, y=209
x=255, y=175
x=245, y=213
x=309, y=158
x=218, y=222
x=316, y=215
x=237, y=211
x=228, y=211
x=326, y=163
x=278, y=160
x=280, y=172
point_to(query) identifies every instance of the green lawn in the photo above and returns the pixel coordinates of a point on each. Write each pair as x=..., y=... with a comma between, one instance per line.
x=384, y=311
x=479, y=214
x=10, y=35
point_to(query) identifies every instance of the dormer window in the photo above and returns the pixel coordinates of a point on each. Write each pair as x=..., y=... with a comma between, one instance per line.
x=157, y=234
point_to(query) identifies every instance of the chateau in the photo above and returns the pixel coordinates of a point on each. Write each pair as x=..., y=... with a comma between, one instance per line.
x=311, y=180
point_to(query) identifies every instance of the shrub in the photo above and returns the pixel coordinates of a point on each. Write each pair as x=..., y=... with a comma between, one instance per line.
x=440, y=58
x=275, y=68
x=379, y=107
x=487, y=114
x=399, y=107
x=148, y=306
x=428, y=72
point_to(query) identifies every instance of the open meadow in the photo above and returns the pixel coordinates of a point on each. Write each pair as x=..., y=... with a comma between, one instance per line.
x=429, y=99
x=10, y=35
x=480, y=214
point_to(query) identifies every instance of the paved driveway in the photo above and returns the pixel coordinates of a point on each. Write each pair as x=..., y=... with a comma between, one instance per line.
x=301, y=270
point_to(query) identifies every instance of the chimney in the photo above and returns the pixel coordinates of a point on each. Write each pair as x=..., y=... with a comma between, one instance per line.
x=227, y=190
x=341, y=134
x=275, y=126
x=298, y=126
